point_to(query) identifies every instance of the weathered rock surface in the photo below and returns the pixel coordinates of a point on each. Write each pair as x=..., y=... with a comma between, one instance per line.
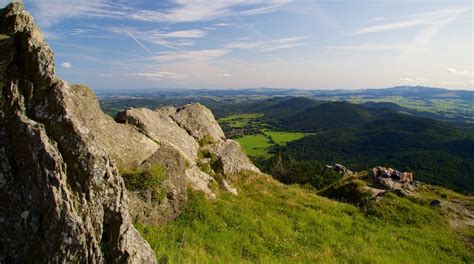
x=63, y=199
x=174, y=166
x=232, y=159
x=198, y=121
x=160, y=127
x=59, y=154
x=182, y=128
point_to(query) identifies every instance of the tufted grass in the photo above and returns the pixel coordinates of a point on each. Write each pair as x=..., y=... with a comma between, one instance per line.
x=272, y=223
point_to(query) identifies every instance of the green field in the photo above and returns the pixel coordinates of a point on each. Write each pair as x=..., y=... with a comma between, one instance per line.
x=239, y=120
x=255, y=145
x=258, y=145
x=281, y=138
x=272, y=223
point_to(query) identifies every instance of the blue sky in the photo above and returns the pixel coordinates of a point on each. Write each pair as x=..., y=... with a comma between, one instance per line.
x=125, y=44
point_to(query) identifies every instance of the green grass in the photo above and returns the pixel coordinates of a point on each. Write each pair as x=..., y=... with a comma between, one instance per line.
x=281, y=138
x=239, y=120
x=272, y=223
x=258, y=145
x=142, y=180
x=255, y=145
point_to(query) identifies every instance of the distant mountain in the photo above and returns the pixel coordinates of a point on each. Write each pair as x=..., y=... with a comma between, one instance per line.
x=418, y=92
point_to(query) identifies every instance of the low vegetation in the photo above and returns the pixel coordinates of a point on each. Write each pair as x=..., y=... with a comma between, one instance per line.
x=272, y=223
x=255, y=145
x=146, y=180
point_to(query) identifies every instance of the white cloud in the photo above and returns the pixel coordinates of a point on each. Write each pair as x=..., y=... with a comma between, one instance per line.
x=428, y=18
x=192, y=11
x=369, y=47
x=66, y=65
x=49, y=12
x=170, y=39
x=270, y=45
x=159, y=75
x=456, y=72
x=192, y=55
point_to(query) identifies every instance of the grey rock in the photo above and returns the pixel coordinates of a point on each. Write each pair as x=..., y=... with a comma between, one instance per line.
x=160, y=127
x=199, y=181
x=54, y=168
x=229, y=188
x=199, y=122
x=174, y=167
x=232, y=159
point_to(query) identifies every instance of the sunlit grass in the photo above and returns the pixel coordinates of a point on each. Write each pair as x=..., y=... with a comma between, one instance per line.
x=272, y=223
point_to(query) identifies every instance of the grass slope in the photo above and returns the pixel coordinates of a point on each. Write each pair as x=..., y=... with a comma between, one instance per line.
x=272, y=223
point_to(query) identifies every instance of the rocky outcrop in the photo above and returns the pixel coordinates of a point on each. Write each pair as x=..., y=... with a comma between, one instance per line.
x=63, y=199
x=191, y=129
x=232, y=159
x=199, y=122
x=159, y=126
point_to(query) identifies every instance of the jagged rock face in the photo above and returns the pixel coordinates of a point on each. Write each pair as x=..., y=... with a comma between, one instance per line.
x=59, y=153
x=182, y=128
x=232, y=159
x=199, y=122
x=159, y=126
x=128, y=147
x=63, y=199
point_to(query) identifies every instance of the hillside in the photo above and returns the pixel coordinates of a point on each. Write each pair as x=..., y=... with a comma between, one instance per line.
x=273, y=223
x=437, y=152
x=330, y=116
x=167, y=185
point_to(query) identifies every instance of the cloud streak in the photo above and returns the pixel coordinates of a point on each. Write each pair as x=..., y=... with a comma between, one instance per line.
x=420, y=19
x=270, y=45
x=50, y=12
x=456, y=72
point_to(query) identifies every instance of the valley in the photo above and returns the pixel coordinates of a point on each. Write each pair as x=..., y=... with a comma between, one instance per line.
x=360, y=136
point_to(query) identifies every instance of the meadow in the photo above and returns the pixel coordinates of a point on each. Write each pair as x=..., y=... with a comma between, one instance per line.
x=281, y=138
x=255, y=145
x=274, y=223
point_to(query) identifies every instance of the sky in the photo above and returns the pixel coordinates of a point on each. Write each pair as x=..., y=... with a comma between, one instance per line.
x=220, y=44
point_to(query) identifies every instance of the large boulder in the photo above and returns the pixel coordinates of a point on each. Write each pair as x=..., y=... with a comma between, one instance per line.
x=63, y=199
x=199, y=122
x=174, y=166
x=160, y=127
x=232, y=159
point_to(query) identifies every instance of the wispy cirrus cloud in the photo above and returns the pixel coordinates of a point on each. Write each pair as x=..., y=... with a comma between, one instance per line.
x=370, y=47
x=50, y=12
x=427, y=18
x=270, y=45
x=190, y=55
x=171, y=39
x=161, y=75
x=457, y=72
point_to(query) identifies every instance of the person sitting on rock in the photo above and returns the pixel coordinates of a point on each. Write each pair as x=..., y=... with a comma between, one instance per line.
x=407, y=177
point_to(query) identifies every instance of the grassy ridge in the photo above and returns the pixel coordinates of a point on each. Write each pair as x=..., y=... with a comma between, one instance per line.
x=272, y=223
